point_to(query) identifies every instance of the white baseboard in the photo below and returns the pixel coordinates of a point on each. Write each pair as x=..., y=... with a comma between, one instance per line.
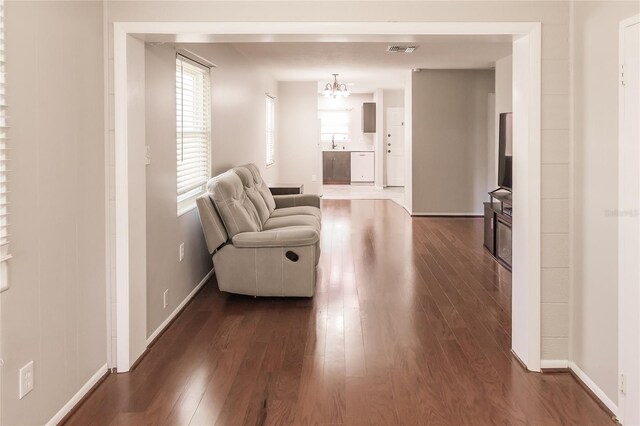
x=599, y=393
x=177, y=310
x=554, y=363
x=78, y=396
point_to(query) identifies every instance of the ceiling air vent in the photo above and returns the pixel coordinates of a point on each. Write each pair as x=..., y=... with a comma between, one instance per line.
x=401, y=49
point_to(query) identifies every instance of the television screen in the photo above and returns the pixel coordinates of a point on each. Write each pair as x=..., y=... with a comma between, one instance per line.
x=505, y=152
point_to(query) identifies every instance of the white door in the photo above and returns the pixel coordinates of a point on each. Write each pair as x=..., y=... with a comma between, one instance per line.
x=394, y=146
x=629, y=224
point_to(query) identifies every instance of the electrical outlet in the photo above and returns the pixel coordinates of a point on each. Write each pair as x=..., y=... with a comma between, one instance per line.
x=181, y=249
x=165, y=299
x=314, y=178
x=26, y=380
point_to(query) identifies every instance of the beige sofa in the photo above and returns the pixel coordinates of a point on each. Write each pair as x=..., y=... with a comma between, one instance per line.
x=261, y=245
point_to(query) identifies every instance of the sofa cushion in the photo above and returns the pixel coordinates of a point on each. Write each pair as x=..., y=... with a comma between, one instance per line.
x=213, y=228
x=236, y=210
x=290, y=236
x=252, y=192
x=262, y=186
x=296, y=220
x=290, y=211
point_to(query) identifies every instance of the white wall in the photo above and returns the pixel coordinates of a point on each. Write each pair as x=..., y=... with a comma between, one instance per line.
x=594, y=343
x=450, y=131
x=55, y=312
x=137, y=221
x=165, y=230
x=298, y=134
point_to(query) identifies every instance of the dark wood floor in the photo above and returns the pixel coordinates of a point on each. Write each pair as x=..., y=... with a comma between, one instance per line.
x=410, y=325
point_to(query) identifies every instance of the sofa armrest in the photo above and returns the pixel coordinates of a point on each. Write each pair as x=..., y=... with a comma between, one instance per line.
x=292, y=236
x=283, y=201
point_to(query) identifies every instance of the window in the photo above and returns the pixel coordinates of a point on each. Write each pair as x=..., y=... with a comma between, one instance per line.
x=271, y=124
x=4, y=204
x=193, y=124
x=334, y=124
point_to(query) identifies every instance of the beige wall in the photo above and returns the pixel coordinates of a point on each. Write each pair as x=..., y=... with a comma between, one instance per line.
x=503, y=103
x=298, y=134
x=595, y=155
x=55, y=312
x=450, y=131
x=238, y=110
x=238, y=131
x=165, y=230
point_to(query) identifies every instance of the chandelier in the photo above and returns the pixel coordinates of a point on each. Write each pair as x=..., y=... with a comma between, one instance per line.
x=336, y=89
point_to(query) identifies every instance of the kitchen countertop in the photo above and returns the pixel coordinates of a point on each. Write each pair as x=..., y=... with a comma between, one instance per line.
x=347, y=150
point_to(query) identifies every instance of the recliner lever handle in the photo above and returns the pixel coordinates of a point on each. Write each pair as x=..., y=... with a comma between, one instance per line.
x=292, y=256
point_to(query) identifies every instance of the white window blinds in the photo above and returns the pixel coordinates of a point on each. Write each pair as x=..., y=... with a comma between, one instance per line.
x=4, y=203
x=271, y=123
x=193, y=119
x=334, y=124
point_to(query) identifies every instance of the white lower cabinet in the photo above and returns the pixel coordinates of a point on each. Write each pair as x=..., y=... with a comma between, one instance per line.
x=362, y=167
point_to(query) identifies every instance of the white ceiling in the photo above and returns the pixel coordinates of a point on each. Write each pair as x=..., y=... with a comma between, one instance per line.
x=367, y=65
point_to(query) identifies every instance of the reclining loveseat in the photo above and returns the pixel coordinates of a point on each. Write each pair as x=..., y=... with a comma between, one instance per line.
x=262, y=245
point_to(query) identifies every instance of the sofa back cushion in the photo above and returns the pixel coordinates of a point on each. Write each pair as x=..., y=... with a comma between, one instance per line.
x=236, y=210
x=215, y=234
x=261, y=186
x=252, y=192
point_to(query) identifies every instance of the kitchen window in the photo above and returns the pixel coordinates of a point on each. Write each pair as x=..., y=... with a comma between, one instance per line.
x=334, y=125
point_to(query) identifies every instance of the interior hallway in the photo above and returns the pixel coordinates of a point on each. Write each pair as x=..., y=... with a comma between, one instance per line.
x=410, y=325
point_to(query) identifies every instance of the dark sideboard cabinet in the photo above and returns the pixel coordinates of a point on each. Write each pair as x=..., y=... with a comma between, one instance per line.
x=498, y=230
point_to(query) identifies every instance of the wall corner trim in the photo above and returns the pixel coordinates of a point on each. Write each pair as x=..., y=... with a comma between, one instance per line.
x=75, y=399
x=178, y=309
x=597, y=392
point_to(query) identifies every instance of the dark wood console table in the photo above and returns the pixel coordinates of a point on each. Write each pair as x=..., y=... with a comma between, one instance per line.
x=498, y=227
x=286, y=188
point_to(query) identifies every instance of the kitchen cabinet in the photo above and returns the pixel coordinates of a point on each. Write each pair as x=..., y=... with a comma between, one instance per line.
x=369, y=117
x=362, y=167
x=336, y=167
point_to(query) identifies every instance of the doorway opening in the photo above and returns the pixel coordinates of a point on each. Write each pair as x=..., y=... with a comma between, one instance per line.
x=129, y=283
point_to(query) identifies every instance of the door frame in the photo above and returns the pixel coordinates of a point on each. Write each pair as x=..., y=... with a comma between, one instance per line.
x=527, y=101
x=628, y=301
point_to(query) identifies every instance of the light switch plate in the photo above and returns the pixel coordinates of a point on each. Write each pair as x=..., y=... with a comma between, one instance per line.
x=181, y=250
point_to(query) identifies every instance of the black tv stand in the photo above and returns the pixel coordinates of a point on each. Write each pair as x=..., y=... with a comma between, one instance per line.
x=498, y=226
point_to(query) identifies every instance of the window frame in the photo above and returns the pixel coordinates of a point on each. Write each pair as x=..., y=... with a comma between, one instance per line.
x=270, y=130
x=186, y=201
x=5, y=253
